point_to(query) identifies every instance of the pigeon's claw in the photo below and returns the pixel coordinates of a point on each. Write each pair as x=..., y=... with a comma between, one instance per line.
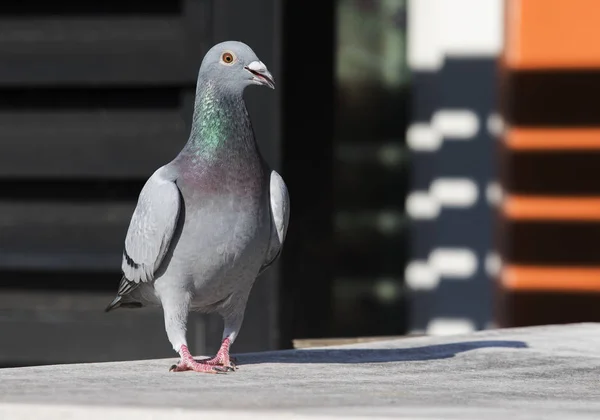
x=227, y=366
x=196, y=367
x=187, y=362
x=223, y=361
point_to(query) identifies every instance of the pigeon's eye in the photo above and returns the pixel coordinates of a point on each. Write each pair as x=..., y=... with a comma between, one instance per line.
x=227, y=58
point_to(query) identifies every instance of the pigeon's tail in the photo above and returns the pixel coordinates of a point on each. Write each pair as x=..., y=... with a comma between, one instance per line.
x=124, y=299
x=120, y=302
x=114, y=304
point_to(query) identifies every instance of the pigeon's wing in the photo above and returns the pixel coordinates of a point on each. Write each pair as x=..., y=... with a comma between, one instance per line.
x=280, y=216
x=150, y=230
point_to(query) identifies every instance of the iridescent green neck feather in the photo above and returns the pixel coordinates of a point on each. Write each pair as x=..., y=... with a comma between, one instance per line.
x=220, y=123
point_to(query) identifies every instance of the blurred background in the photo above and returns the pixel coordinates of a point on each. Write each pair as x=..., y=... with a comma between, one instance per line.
x=442, y=157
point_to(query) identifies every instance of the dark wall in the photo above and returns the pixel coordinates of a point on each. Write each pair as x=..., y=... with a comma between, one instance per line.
x=94, y=96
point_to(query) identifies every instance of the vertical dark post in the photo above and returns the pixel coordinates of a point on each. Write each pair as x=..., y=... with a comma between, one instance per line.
x=308, y=129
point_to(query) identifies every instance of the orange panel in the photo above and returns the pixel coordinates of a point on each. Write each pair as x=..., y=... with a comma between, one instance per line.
x=552, y=34
x=551, y=208
x=564, y=279
x=554, y=139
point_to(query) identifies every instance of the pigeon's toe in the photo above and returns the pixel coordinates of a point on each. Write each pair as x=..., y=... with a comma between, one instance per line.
x=231, y=367
x=200, y=367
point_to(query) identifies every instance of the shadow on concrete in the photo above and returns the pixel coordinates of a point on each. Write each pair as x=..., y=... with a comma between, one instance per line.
x=354, y=355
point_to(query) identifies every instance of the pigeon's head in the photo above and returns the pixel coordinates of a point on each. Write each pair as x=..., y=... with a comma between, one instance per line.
x=233, y=64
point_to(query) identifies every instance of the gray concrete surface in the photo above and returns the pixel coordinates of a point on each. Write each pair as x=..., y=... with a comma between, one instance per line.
x=548, y=372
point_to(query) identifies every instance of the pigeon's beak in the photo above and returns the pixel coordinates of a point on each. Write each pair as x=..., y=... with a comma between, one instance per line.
x=260, y=74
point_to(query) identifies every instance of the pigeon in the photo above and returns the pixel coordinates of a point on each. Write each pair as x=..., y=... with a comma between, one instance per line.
x=209, y=222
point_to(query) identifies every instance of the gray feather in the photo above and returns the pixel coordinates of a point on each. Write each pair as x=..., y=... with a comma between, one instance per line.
x=280, y=216
x=149, y=235
x=151, y=227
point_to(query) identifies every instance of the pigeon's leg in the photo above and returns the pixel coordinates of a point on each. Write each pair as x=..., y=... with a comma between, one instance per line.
x=233, y=322
x=222, y=358
x=175, y=307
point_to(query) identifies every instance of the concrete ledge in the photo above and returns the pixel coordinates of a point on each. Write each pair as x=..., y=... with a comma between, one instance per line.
x=548, y=372
x=57, y=412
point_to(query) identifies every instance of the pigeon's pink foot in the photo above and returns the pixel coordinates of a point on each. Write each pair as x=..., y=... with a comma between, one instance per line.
x=187, y=362
x=222, y=358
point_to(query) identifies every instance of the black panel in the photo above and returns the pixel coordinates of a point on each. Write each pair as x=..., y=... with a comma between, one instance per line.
x=89, y=7
x=552, y=98
x=75, y=132
x=92, y=101
x=553, y=173
x=542, y=308
x=55, y=235
x=99, y=50
x=43, y=280
x=85, y=97
x=552, y=243
x=79, y=190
